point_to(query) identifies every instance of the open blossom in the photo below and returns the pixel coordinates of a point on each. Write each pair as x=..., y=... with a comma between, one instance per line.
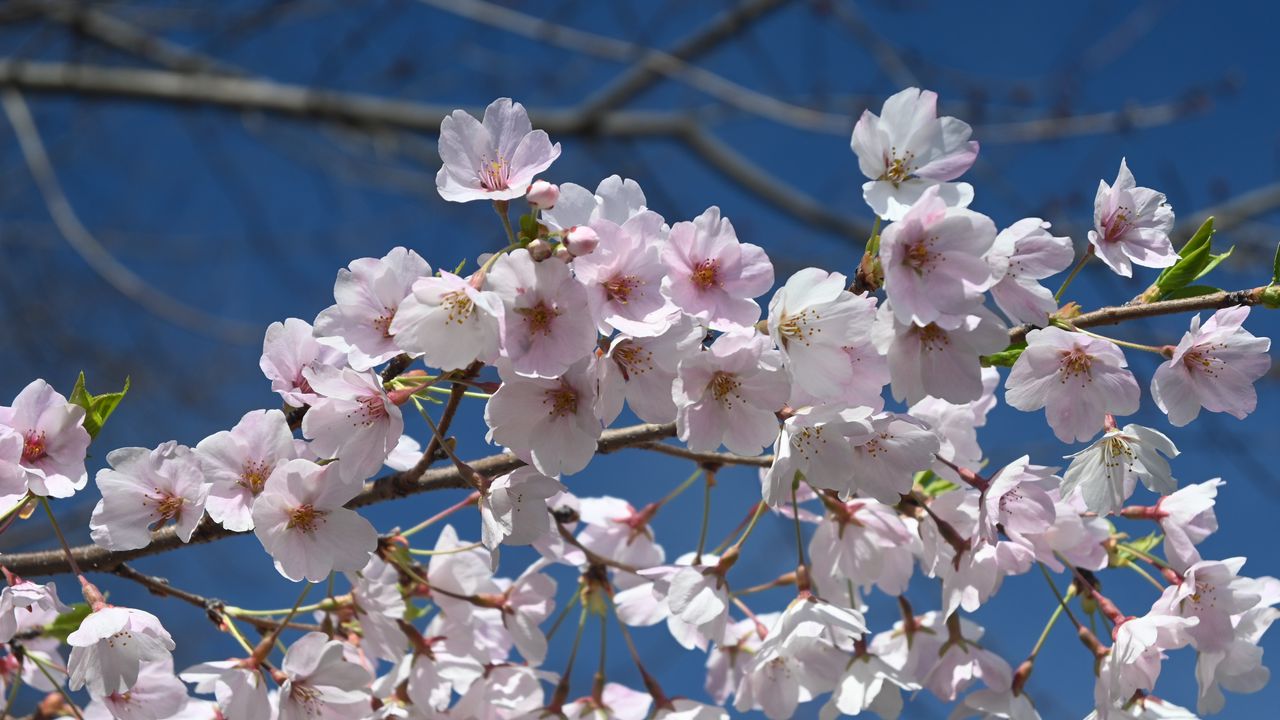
x=935, y=361
x=300, y=520
x=54, y=442
x=496, y=159
x=866, y=542
x=1237, y=666
x=145, y=489
x=288, y=349
x=934, y=270
x=513, y=509
x=1106, y=473
x=886, y=461
x=1214, y=367
x=870, y=683
x=110, y=647
x=1135, y=659
x=956, y=425
x=615, y=199
x=1023, y=254
x=908, y=149
x=547, y=422
x=1213, y=592
x=617, y=702
x=379, y=608
x=25, y=601
x=447, y=321
x=695, y=599
x=1187, y=518
x=818, y=443
x=320, y=682
x=368, y=293
x=544, y=329
x=241, y=693
x=729, y=393
x=1131, y=225
x=623, y=277
x=711, y=275
x=1018, y=500
x=158, y=694
x=353, y=420
x=1078, y=379
x=237, y=463
x=816, y=323
x=640, y=370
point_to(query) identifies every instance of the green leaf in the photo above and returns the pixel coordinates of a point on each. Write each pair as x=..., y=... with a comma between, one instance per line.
x=1190, y=291
x=1006, y=357
x=97, y=408
x=1146, y=543
x=67, y=622
x=1275, y=267
x=528, y=227
x=1202, y=237
x=1194, y=256
x=1214, y=260
x=933, y=485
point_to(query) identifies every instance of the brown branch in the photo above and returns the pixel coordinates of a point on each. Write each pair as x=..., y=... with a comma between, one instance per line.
x=389, y=487
x=716, y=458
x=160, y=586
x=1121, y=313
x=1066, y=126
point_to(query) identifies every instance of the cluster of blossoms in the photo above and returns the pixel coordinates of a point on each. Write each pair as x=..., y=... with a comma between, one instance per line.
x=597, y=304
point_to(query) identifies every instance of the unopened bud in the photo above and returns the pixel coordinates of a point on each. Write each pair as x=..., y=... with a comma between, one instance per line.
x=563, y=254
x=539, y=250
x=543, y=195
x=581, y=240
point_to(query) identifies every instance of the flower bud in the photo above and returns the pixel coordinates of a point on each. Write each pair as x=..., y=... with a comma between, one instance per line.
x=543, y=195
x=563, y=254
x=539, y=250
x=581, y=240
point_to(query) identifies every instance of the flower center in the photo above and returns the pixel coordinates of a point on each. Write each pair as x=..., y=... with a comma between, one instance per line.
x=725, y=387
x=563, y=401
x=168, y=507
x=933, y=338
x=495, y=174
x=706, y=274
x=799, y=326
x=807, y=442
x=372, y=409
x=539, y=318
x=1076, y=364
x=459, y=306
x=619, y=288
x=34, y=447
x=382, y=323
x=305, y=518
x=1201, y=360
x=254, y=476
x=1117, y=225
x=898, y=169
x=918, y=257
x=631, y=358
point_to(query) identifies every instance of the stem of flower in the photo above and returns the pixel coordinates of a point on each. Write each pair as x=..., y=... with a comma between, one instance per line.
x=563, y=614
x=235, y=633
x=1125, y=343
x=562, y=688
x=1057, y=297
x=471, y=499
x=1147, y=576
x=706, y=515
x=660, y=700
x=44, y=670
x=264, y=647
x=13, y=695
x=597, y=687
x=688, y=482
x=501, y=207
x=241, y=612
x=802, y=567
x=22, y=502
x=749, y=518
x=450, y=551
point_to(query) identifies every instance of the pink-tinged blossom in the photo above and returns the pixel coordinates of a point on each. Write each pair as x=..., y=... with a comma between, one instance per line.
x=525, y=605
x=144, y=489
x=1187, y=518
x=727, y=661
x=547, y=422
x=1238, y=666
x=956, y=425
x=513, y=508
x=321, y=683
x=1018, y=501
x=885, y=463
x=157, y=695
x=816, y=442
x=237, y=463
x=447, y=321
x=353, y=421
x=991, y=704
x=908, y=149
x=617, y=702
x=1023, y=254
x=241, y=693
x=640, y=371
x=1135, y=659
x=1214, y=367
x=623, y=277
x=288, y=349
x=617, y=531
x=54, y=443
x=506, y=692
x=1106, y=473
x=711, y=275
x=685, y=709
x=866, y=542
x=824, y=331
x=379, y=608
x=1074, y=536
x=615, y=199
x=1131, y=225
x=23, y=602
x=368, y=293
x=1077, y=378
x=1212, y=591
x=696, y=600
x=1143, y=707
x=729, y=393
x=544, y=329
x=934, y=270
x=936, y=361
x=300, y=520
x=110, y=647
x=493, y=159
x=869, y=683
x=781, y=675
x=963, y=661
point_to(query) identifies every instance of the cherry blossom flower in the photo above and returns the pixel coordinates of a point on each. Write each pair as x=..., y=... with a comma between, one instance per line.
x=1078, y=379
x=727, y=662
x=615, y=199
x=819, y=444
x=241, y=693
x=711, y=275
x=145, y=489
x=54, y=442
x=1187, y=518
x=368, y=294
x=908, y=149
x=685, y=709
x=525, y=605
x=696, y=599
x=1131, y=225
x=1213, y=367
x=617, y=702
x=1212, y=592
x=300, y=520
x=1106, y=473
x=1134, y=661
x=956, y=425
x=1024, y=253
x=992, y=704
x=728, y=394
x=617, y=531
x=1018, y=500
x=508, y=691
x=934, y=270
x=549, y=423
x=623, y=277
x=447, y=321
x=237, y=463
x=513, y=509
x=353, y=420
x=288, y=349
x=156, y=695
x=1238, y=665
x=885, y=463
x=544, y=330
x=935, y=361
x=110, y=647
x=24, y=601
x=320, y=682
x=962, y=661
x=496, y=159
x=640, y=370
x=866, y=542
x=379, y=607
x=870, y=683
x=820, y=326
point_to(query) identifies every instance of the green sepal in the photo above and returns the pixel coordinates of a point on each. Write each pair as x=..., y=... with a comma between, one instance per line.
x=1006, y=357
x=67, y=623
x=97, y=408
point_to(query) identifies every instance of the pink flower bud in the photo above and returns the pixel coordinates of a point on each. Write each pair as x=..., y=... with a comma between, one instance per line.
x=581, y=240
x=539, y=250
x=543, y=195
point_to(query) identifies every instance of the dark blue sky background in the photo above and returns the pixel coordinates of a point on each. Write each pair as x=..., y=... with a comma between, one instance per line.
x=249, y=216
